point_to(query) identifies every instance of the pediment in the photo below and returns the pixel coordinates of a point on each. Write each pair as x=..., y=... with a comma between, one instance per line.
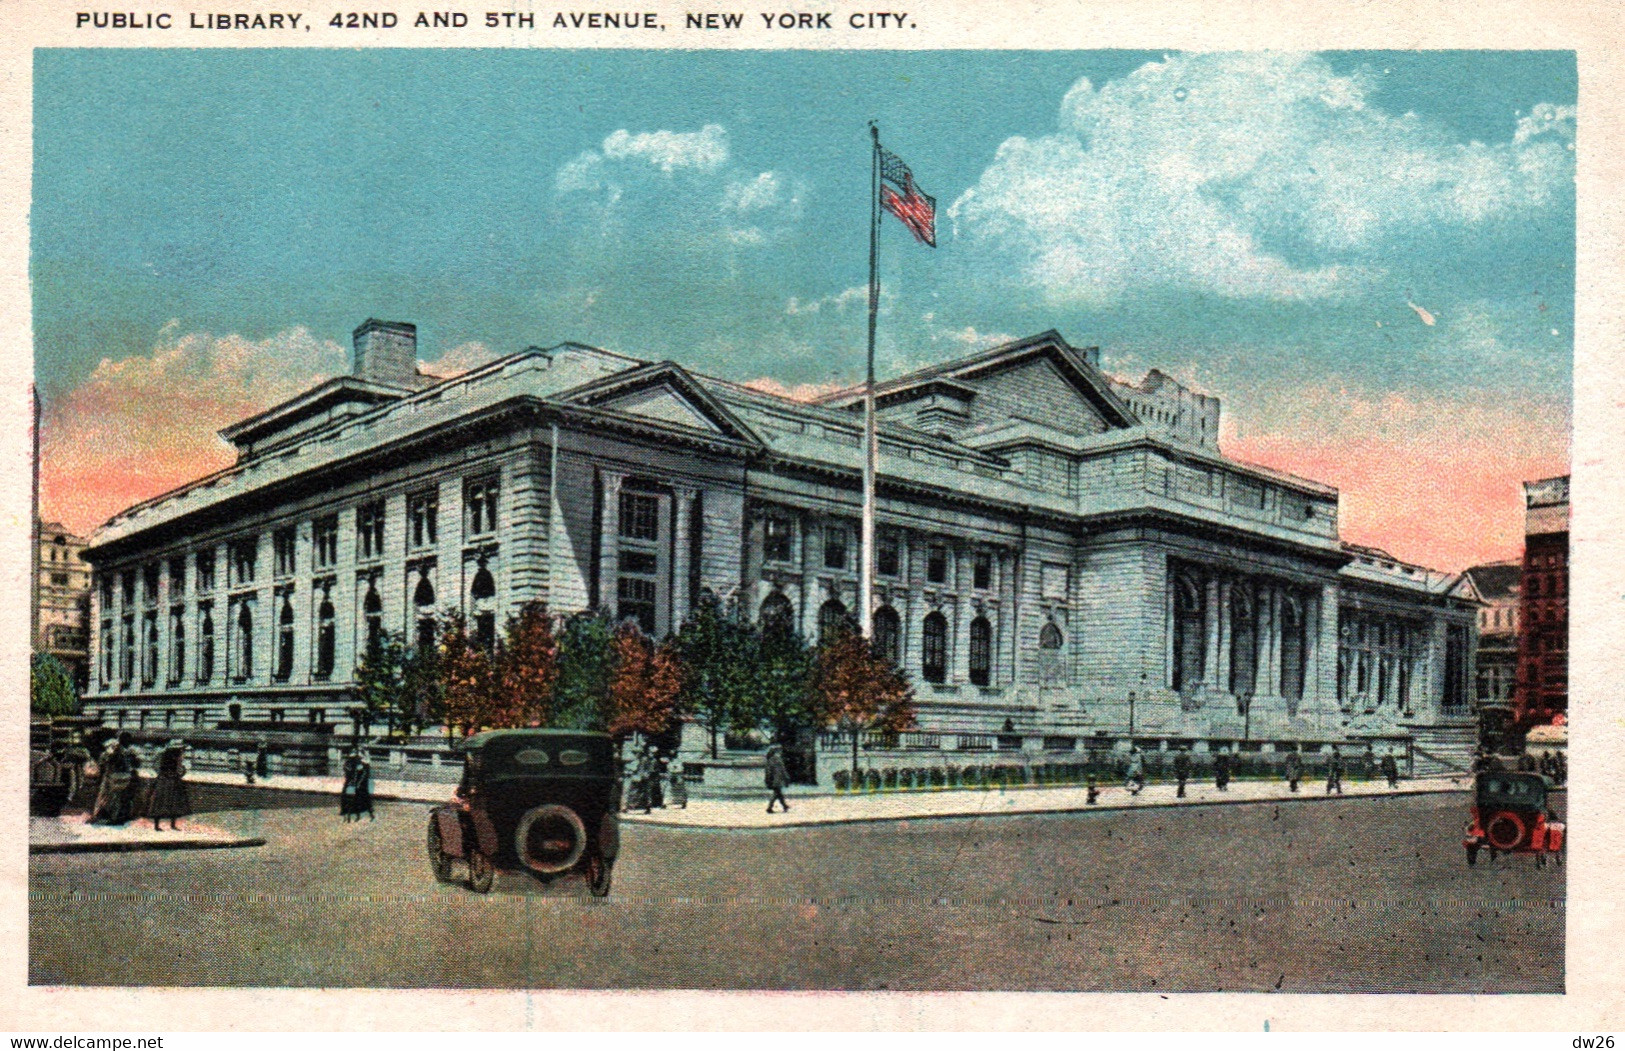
x=664, y=404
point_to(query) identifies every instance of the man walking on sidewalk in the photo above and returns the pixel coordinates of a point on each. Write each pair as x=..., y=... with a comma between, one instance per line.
x=1334, y=772
x=1294, y=770
x=1390, y=769
x=1182, y=771
x=777, y=777
x=1221, y=771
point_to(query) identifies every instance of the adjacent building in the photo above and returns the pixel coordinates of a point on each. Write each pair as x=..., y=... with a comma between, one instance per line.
x=1543, y=617
x=1061, y=554
x=1498, y=586
x=62, y=598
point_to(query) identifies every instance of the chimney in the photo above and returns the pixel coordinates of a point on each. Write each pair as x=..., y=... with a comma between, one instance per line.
x=387, y=352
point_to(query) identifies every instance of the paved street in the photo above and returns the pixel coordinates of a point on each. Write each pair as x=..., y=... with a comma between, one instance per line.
x=1356, y=895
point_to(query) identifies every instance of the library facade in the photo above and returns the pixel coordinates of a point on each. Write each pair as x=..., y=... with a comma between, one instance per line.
x=1061, y=555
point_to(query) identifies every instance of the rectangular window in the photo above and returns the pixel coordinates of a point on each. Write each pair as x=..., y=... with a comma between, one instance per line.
x=636, y=601
x=835, y=545
x=127, y=579
x=282, y=543
x=149, y=584
x=244, y=554
x=205, y=570
x=59, y=580
x=982, y=571
x=177, y=576
x=177, y=643
x=776, y=540
x=889, y=556
x=325, y=534
x=107, y=652
x=205, y=642
x=107, y=590
x=640, y=516
x=423, y=514
x=936, y=564
x=126, y=670
x=480, y=506
x=369, y=530
x=639, y=562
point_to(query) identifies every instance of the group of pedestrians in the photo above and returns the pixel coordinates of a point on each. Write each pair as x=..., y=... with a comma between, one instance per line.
x=1223, y=766
x=654, y=781
x=122, y=794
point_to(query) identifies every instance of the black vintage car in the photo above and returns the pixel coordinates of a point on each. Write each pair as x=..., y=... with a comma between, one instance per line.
x=543, y=800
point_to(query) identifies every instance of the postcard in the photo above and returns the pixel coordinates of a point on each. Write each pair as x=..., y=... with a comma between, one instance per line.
x=533, y=503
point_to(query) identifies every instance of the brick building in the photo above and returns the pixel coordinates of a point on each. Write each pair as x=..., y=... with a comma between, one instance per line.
x=1499, y=588
x=1543, y=628
x=1060, y=553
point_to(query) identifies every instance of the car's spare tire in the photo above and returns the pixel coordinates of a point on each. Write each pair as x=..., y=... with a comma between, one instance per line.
x=550, y=839
x=1505, y=830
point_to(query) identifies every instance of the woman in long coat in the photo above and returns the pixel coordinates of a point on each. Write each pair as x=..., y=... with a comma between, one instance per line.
x=115, y=793
x=347, y=809
x=169, y=795
x=363, y=789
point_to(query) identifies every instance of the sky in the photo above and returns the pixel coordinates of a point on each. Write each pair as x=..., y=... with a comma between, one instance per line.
x=1369, y=257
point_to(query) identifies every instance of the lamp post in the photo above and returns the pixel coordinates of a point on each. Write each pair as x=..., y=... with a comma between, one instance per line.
x=1131, y=718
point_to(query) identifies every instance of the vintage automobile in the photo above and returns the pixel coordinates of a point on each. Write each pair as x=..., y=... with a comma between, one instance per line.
x=543, y=800
x=1509, y=816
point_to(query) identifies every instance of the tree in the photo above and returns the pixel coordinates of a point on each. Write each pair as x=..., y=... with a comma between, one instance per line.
x=422, y=695
x=380, y=680
x=856, y=689
x=585, y=663
x=643, y=686
x=467, y=678
x=782, y=668
x=527, y=670
x=716, y=649
x=50, y=687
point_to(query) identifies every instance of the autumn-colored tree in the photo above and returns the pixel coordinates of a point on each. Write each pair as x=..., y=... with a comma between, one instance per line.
x=855, y=689
x=468, y=678
x=643, y=685
x=527, y=670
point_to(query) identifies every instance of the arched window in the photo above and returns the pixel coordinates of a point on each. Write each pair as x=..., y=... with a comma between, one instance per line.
x=981, y=652
x=484, y=586
x=245, y=641
x=888, y=634
x=423, y=599
x=324, y=638
x=1050, y=638
x=284, y=640
x=205, y=647
x=1051, y=665
x=482, y=591
x=1190, y=631
x=372, y=608
x=832, y=618
x=934, y=648
x=424, y=594
x=1243, y=646
x=777, y=617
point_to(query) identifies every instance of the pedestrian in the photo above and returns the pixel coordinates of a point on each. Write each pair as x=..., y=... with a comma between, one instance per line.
x=1334, y=772
x=1561, y=762
x=170, y=797
x=678, y=796
x=1182, y=771
x=1390, y=769
x=657, y=781
x=1094, y=791
x=1368, y=763
x=347, y=810
x=643, y=776
x=1294, y=769
x=363, y=788
x=262, y=761
x=777, y=777
x=116, y=767
x=1134, y=780
x=1221, y=771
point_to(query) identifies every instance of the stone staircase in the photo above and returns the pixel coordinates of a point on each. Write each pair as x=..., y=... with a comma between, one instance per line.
x=1444, y=749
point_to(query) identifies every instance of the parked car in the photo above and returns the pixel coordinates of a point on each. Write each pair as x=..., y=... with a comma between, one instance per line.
x=1509, y=816
x=543, y=800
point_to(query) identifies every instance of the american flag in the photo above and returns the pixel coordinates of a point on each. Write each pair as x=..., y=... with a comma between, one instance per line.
x=899, y=195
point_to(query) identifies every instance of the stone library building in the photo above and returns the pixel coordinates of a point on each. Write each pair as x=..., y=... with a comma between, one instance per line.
x=1061, y=555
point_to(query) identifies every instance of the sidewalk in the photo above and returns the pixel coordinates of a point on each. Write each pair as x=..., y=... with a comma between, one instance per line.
x=71, y=834
x=917, y=805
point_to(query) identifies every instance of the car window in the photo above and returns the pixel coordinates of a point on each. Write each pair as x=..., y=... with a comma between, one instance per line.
x=532, y=757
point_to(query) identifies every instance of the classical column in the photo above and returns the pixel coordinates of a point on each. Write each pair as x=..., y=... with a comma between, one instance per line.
x=812, y=596
x=1211, y=609
x=682, y=541
x=609, y=542
x=1221, y=667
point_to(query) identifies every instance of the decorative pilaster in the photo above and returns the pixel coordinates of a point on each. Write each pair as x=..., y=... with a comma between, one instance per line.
x=681, y=568
x=609, y=541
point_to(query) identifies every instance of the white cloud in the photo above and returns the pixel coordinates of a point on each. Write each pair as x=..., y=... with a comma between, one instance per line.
x=855, y=298
x=704, y=150
x=459, y=359
x=1256, y=175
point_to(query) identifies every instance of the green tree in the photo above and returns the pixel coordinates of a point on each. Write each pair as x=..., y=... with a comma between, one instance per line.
x=380, y=680
x=586, y=661
x=717, y=650
x=782, y=671
x=422, y=696
x=50, y=687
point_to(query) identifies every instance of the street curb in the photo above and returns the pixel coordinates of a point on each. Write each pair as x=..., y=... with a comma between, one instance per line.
x=640, y=819
x=131, y=848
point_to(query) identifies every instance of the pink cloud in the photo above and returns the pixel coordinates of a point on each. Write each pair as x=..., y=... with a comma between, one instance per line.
x=144, y=424
x=807, y=392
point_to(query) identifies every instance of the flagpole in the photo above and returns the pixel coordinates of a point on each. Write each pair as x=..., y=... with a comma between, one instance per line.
x=866, y=567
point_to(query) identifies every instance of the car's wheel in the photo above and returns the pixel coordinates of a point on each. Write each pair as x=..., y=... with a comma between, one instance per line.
x=1505, y=831
x=482, y=874
x=550, y=839
x=598, y=875
x=439, y=860
x=1472, y=854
